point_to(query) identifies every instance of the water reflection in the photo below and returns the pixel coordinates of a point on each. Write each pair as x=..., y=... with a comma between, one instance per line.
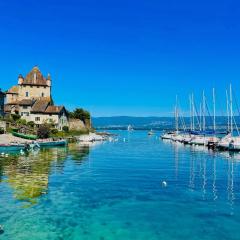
x=28, y=175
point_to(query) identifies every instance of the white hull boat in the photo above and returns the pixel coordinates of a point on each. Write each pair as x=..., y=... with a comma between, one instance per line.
x=167, y=136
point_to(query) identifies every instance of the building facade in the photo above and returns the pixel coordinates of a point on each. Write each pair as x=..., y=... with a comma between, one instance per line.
x=31, y=98
x=2, y=96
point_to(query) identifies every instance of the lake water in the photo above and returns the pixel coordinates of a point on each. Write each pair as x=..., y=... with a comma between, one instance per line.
x=113, y=191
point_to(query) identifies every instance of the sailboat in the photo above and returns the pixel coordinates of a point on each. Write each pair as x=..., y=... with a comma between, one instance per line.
x=230, y=142
x=188, y=136
x=177, y=136
x=199, y=138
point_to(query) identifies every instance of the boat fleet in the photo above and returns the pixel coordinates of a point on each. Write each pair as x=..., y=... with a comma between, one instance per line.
x=198, y=133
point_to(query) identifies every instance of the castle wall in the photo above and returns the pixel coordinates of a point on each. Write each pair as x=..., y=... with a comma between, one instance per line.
x=29, y=92
x=10, y=98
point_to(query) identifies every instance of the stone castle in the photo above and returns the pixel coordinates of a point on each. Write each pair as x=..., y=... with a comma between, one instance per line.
x=31, y=98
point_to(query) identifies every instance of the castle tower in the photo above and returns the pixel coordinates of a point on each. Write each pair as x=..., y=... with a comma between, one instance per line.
x=20, y=79
x=49, y=82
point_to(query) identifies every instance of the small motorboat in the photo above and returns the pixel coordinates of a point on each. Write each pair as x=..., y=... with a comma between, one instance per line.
x=151, y=132
x=167, y=135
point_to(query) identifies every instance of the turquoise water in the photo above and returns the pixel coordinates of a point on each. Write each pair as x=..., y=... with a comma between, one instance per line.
x=114, y=191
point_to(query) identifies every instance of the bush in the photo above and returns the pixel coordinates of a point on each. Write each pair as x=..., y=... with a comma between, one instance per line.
x=15, y=117
x=1, y=130
x=21, y=121
x=80, y=113
x=31, y=124
x=43, y=131
x=54, y=131
x=65, y=128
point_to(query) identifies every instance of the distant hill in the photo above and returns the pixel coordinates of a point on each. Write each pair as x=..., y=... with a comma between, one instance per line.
x=157, y=123
x=122, y=122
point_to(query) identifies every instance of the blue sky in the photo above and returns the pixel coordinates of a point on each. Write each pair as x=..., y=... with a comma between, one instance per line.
x=123, y=57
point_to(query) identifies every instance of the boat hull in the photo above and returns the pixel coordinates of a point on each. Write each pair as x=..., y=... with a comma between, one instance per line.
x=52, y=143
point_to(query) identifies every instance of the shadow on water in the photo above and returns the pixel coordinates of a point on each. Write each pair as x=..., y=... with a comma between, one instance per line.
x=28, y=175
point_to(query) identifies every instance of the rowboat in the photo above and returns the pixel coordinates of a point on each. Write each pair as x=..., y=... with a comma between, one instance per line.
x=24, y=136
x=52, y=143
x=11, y=147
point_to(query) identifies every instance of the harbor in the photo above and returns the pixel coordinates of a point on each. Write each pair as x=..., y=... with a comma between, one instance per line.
x=201, y=134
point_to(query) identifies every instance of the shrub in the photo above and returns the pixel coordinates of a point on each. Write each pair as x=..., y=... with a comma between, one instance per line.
x=43, y=131
x=31, y=124
x=54, y=131
x=80, y=113
x=1, y=130
x=65, y=128
x=21, y=121
x=15, y=117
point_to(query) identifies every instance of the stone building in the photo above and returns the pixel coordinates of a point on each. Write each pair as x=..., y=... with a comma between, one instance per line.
x=2, y=96
x=31, y=98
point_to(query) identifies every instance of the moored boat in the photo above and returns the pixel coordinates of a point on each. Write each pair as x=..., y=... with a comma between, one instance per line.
x=24, y=136
x=52, y=143
x=167, y=135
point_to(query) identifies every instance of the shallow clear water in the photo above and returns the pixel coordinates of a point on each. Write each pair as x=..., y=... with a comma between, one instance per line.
x=114, y=191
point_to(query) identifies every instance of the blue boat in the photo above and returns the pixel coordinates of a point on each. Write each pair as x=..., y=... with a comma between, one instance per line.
x=11, y=147
x=52, y=143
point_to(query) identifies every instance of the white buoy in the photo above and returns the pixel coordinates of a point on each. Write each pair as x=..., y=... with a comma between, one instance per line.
x=124, y=139
x=164, y=184
x=2, y=153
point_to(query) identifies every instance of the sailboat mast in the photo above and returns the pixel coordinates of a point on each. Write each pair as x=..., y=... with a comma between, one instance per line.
x=200, y=116
x=231, y=110
x=193, y=113
x=204, y=106
x=214, y=110
x=176, y=113
x=190, y=104
x=228, y=120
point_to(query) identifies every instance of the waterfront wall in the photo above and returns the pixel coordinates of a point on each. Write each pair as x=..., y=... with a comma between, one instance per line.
x=76, y=124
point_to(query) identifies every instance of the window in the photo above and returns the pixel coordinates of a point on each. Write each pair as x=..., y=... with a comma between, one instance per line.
x=27, y=94
x=37, y=119
x=25, y=107
x=42, y=94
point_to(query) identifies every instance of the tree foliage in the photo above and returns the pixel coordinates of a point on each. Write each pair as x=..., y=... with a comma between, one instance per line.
x=80, y=113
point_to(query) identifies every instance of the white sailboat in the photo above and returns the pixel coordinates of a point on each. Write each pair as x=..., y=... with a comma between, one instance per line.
x=213, y=140
x=201, y=139
x=177, y=137
x=230, y=142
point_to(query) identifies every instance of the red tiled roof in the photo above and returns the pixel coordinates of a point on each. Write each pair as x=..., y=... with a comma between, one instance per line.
x=40, y=105
x=9, y=107
x=35, y=77
x=13, y=90
x=26, y=102
x=54, y=109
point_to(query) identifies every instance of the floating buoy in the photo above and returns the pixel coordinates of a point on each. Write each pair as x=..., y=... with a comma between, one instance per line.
x=124, y=139
x=2, y=154
x=164, y=184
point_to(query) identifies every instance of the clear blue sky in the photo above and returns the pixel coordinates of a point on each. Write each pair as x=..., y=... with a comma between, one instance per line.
x=123, y=57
